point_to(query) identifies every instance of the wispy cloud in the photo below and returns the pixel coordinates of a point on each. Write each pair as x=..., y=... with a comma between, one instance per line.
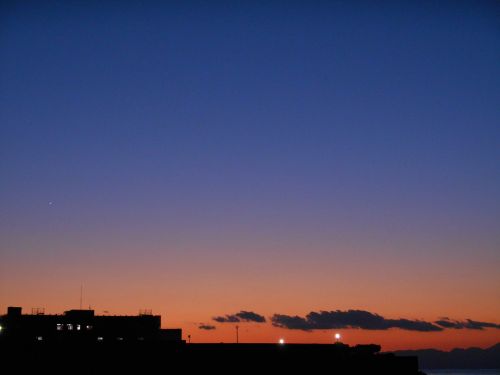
x=207, y=327
x=466, y=324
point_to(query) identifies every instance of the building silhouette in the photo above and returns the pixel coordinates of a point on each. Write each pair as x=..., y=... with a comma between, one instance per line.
x=79, y=341
x=83, y=326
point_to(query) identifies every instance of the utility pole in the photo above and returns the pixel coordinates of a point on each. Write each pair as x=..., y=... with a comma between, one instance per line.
x=81, y=295
x=237, y=338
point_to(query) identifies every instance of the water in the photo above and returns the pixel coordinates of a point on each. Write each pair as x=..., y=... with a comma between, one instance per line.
x=463, y=372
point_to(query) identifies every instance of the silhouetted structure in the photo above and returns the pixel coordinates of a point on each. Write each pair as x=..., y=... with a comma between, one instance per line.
x=137, y=345
x=83, y=326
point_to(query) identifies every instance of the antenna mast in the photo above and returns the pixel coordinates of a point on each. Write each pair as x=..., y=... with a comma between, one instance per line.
x=81, y=295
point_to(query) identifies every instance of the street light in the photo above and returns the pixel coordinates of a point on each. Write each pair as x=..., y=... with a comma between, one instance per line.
x=337, y=337
x=281, y=341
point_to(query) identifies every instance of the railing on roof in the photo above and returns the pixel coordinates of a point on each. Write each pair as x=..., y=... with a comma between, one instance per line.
x=38, y=311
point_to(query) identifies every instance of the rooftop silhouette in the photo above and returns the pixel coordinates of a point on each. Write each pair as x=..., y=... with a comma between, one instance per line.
x=83, y=326
x=130, y=344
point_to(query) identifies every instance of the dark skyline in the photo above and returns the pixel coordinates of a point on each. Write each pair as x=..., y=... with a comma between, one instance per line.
x=276, y=158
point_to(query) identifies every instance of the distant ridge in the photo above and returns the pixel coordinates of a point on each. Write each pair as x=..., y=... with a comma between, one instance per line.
x=471, y=358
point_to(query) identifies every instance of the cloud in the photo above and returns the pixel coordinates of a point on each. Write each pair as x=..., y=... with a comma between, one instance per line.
x=249, y=316
x=357, y=319
x=206, y=327
x=290, y=322
x=242, y=316
x=350, y=319
x=226, y=319
x=467, y=324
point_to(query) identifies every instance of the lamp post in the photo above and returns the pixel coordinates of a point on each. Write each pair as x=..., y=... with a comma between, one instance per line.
x=337, y=337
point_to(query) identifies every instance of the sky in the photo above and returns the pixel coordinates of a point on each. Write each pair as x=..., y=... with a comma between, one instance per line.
x=203, y=159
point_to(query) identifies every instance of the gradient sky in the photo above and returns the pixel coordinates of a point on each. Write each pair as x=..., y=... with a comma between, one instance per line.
x=202, y=158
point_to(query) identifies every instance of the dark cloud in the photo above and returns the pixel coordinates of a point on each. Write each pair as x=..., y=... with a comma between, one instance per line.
x=206, y=327
x=226, y=319
x=290, y=322
x=242, y=316
x=350, y=319
x=249, y=316
x=413, y=325
x=467, y=324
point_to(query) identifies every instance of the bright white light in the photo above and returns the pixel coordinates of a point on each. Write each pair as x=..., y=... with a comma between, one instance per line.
x=281, y=341
x=39, y=338
x=1, y=328
x=100, y=338
x=337, y=336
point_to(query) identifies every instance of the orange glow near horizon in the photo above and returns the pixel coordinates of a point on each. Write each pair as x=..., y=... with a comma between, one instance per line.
x=196, y=301
x=392, y=339
x=189, y=287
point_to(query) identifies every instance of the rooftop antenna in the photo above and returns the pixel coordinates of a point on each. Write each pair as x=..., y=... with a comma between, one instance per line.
x=81, y=295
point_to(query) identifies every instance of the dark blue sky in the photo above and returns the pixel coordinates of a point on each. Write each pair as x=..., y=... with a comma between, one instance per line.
x=255, y=105
x=250, y=127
